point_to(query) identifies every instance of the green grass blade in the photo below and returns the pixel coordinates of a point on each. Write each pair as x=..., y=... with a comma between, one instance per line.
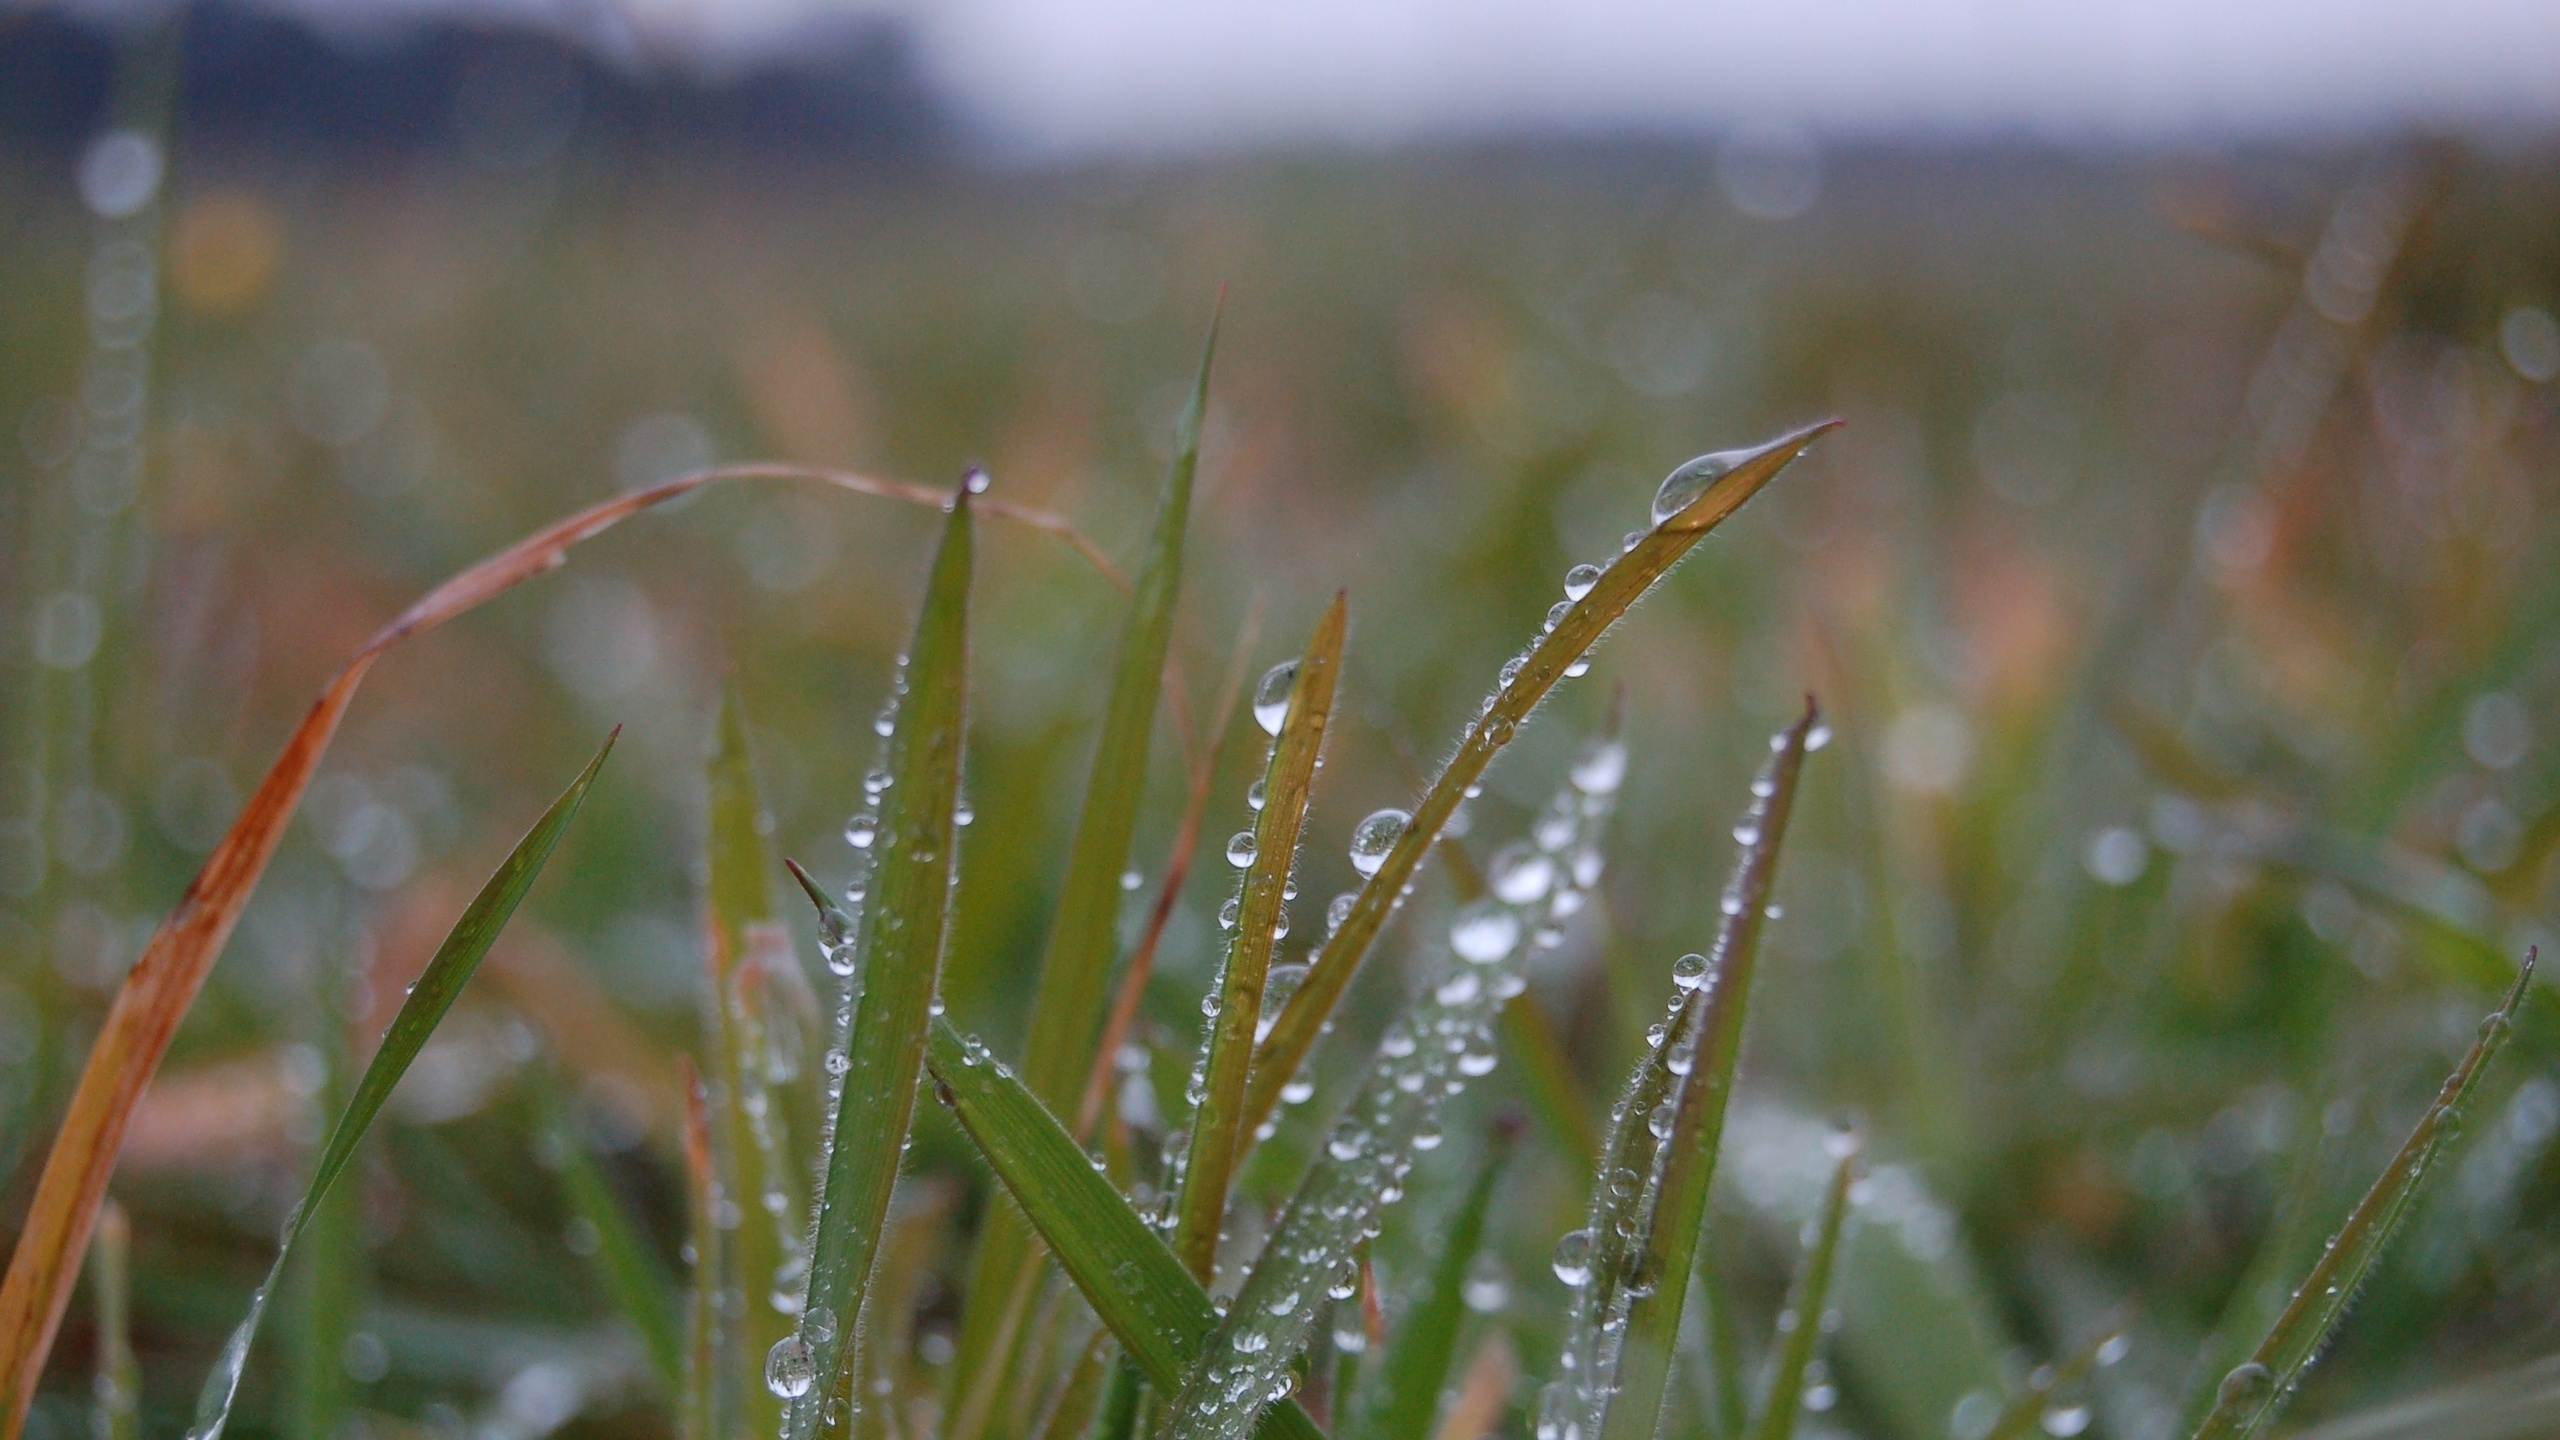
x=900, y=961
x=760, y=1257
x=1404, y=1393
x=1800, y=1324
x=2514, y=1404
x=1649, y=1208
x=1071, y=1412
x=639, y=1285
x=117, y=1392
x=1075, y=974
x=1619, y=585
x=2253, y=1391
x=425, y=1007
x=1443, y=1040
x=324, y=1291
x=1160, y=1315
x=1218, y=1135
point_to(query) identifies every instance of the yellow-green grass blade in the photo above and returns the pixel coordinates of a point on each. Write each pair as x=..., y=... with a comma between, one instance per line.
x=1800, y=1323
x=1218, y=1135
x=1162, y=1317
x=1403, y=1394
x=900, y=961
x=1442, y=1042
x=323, y=1293
x=749, y=1147
x=1075, y=974
x=638, y=1284
x=1649, y=1206
x=427, y=1002
x=1722, y=483
x=2251, y=1393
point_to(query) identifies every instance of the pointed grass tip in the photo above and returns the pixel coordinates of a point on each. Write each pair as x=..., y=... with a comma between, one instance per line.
x=1699, y=494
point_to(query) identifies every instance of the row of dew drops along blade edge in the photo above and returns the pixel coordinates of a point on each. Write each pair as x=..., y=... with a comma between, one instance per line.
x=1519, y=870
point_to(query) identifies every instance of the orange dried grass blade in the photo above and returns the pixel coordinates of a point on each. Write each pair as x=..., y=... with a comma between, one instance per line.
x=162, y=984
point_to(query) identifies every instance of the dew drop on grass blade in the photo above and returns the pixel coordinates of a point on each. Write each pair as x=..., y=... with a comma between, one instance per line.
x=1218, y=1135
x=1430, y=1053
x=710, y=1394
x=1074, y=985
x=427, y=1002
x=2251, y=1393
x=1160, y=1315
x=1553, y=657
x=900, y=965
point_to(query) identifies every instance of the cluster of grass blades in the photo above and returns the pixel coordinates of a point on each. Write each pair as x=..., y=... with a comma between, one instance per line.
x=1186, y=1312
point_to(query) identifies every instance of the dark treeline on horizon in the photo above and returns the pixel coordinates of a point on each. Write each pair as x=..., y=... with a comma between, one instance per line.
x=505, y=97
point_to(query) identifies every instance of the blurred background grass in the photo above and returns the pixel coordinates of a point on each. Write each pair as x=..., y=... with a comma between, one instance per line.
x=2181, y=593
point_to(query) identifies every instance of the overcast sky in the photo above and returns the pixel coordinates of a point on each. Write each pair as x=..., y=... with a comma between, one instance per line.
x=1180, y=74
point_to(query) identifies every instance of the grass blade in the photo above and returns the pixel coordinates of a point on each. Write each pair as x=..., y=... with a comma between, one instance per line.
x=1649, y=1208
x=1217, y=1121
x=1160, y=1315
x=1800, y=1323
x=2254, y=1390
x=1619, y=585
x=118, y=1392
x=632, y=1275
x=2512, y=1404
x=428, y=1000
x=1404, y=1393
x=1075, y=974
x=751, y=1148
x=1071, y=1412
x=1444, y=1039
x=705, y=1412
x=324, y=1292
x=901, y=965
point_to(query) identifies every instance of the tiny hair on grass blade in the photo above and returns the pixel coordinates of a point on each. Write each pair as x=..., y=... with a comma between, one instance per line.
x=1701, y=494
x=419, y=1014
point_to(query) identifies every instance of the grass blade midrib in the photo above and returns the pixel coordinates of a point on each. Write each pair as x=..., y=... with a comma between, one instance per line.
x=1625, y=579
x=901, y=961
x=1217, y=1123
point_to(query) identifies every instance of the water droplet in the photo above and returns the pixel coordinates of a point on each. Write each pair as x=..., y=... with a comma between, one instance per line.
x=1682, y=487
x=1510, y=672
x=964, y=814
x=1484, y=932
x=861, y=830
x=1459, y=989
x=1338, y=910
x=1240, y=849
x=1372, y=838
x=838, y=1062
x=1573, y=1258
x=1298, y=1091
x=973, y=1051
x=2246, y=1387
x=1664, y=1116
x=878, y=780
x=789, y=1368
x=1271, y=696
x=1600, y=768
x=1131, y=879
x=1227, y=914
x=2114, y=1348
x=1818, y=736
x=1520, y=874
x=1253, y=795
x=1557, y=612
x=1579, y=580
x=2065, y=1421
x=1487, y=1287
x=819, y=1324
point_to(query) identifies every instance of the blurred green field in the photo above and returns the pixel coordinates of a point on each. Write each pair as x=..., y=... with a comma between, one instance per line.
x=2181, y=593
